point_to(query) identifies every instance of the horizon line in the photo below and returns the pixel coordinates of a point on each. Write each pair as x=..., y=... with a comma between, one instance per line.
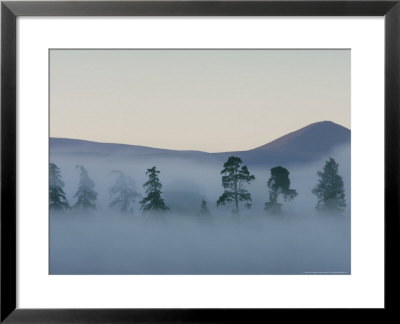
x=190, y=150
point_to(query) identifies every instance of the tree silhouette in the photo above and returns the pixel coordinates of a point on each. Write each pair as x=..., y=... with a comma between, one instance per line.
x=204, y=211
x=330, y=190
x=86, y=195
x=279, y=185
x=123, y=193
x=234, y=176
x=153, y=200
x=57, y=198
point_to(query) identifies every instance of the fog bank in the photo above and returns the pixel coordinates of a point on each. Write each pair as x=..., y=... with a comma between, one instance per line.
x=104, y=241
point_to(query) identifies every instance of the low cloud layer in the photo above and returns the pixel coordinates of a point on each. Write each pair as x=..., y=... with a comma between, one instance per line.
x=108, y=242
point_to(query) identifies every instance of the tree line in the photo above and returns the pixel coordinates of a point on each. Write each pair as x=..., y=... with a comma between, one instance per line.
x=235, y=177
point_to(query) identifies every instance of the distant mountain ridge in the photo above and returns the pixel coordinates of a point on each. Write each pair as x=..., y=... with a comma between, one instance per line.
x=303, y=145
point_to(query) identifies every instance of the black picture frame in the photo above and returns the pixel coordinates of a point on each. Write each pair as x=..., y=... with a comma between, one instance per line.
x=10, y=10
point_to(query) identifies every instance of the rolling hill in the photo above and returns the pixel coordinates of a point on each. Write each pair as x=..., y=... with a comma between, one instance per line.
x=304, y=145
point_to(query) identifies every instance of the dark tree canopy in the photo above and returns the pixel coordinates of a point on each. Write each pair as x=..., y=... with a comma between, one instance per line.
x=279, y=185
x=57, y=198
x=123, y=193
x=234, y=177
x=86, y=196
x=330, y=189
x=153, y=200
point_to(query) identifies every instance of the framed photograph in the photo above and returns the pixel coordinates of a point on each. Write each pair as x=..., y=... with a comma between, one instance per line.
x=198, y=161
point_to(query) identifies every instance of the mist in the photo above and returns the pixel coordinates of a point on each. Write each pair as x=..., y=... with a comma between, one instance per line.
x=180, y=241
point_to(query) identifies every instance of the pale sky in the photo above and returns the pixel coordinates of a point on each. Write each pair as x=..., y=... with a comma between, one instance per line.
x=207, y=100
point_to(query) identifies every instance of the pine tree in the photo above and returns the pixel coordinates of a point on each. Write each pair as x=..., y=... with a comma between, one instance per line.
x=153, y=201
x=330, y=189
x=234, y=176
x=123, y=193
x=279, y=185
x=204, y=211
x=57, y=198
x=86, y=195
